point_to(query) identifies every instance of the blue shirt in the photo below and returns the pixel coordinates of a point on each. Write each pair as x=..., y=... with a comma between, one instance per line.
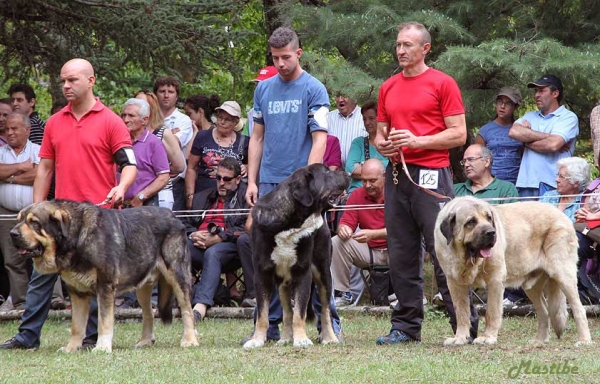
x=553, y=197
x=507, y=151
x=539, y=167
x=283, y=107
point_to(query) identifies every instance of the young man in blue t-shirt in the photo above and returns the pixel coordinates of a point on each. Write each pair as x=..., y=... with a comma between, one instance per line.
x=290, y=131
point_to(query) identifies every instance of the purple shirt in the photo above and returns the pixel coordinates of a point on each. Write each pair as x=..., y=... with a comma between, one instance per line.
x=151, y=158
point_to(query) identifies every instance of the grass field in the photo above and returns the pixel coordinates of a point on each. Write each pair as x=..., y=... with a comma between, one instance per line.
x=221, y=359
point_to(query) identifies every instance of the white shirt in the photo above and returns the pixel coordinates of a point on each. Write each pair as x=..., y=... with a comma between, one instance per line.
x=346, y=129
x=15, y=197
x=184, y=123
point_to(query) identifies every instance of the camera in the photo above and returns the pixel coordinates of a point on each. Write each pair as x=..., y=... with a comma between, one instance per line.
x=214, y=229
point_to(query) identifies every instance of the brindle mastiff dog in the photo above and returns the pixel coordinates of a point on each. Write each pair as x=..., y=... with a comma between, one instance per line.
x=530, y=245
x=103, y=252
x=291, y=249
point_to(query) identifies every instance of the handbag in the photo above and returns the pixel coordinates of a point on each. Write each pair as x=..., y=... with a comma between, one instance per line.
x=590, y=229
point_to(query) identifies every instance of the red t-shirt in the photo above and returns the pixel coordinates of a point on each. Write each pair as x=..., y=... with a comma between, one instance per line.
x=420, y=104
x=365, y=218
x=83, y=152
x=214, y=217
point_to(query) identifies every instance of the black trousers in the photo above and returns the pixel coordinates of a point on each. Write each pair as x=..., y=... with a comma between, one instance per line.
x=410, y=215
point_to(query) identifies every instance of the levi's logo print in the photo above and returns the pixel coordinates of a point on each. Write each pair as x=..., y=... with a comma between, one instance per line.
x=284, y=106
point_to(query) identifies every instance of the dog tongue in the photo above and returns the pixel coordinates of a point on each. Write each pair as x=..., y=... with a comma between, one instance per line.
x=22, y=251
x=485, y=253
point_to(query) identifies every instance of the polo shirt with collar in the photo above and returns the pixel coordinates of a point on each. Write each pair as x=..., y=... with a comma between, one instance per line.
x=497, y=188
x=151, y=158
x=346, y=129
x=539, y=167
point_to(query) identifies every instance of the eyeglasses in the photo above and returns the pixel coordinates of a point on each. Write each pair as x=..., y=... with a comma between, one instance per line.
x=469, y=160
x=226, y=179
x=562, y=177
x=226, y=119
x=500, y=103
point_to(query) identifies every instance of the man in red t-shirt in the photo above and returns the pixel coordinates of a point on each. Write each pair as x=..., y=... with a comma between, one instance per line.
x=420, y=112
x=83, y=145
x=355, y=248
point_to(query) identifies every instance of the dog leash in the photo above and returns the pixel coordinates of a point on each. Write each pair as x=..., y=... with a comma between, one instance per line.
x=405, y=168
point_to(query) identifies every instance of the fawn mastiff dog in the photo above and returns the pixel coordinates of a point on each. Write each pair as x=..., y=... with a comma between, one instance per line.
x=529, y=244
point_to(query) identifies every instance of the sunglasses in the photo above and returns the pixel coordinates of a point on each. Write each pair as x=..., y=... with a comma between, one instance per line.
x=226, y=179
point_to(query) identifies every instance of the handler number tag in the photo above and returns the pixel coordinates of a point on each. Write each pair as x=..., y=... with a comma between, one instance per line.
x=428, y=178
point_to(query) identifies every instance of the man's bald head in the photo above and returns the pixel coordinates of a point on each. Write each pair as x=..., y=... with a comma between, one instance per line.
x=374, y=165
x=79, y=65
x=77, y=76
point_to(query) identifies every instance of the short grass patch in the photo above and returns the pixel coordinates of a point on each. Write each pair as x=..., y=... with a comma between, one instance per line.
x=221, y=359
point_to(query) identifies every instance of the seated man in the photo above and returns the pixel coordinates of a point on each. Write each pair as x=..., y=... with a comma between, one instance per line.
x=213, y=243
x=368, y=246
x=477, y=162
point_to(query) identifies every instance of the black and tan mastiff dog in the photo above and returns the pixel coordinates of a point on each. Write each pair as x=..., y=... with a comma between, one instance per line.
x=530, y=245
x=103, y=252
x=291, y=247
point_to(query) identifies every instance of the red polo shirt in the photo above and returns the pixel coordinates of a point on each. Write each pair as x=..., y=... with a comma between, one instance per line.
x=83, y=151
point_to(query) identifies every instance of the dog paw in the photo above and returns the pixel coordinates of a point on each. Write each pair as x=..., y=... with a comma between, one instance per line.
x=189, y=343
x=253, y=344
x=455, y=341
x=145, y=343
x=536, y=342
x=583, y=343
x=68, y=349
x=334, y=340
x=283, y=341
x=489, y=340
x=302, y=342
x=101, y=347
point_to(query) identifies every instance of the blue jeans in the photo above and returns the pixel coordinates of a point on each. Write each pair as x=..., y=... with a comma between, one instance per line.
x=275, y=309
x=212, y=261
x=37, y=306
x=528, y=192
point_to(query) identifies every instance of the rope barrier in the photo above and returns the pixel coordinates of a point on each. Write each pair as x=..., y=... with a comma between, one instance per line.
x=337, y=208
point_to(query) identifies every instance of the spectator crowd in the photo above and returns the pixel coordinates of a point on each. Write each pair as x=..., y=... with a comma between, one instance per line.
x=209, y=158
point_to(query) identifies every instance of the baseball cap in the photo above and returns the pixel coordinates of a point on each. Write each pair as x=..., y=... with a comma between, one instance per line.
x=512, y=93
x=231, y=107
x=265, y=73
x=546, y=81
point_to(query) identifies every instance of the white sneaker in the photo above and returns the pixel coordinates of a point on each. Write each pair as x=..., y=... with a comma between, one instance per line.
x=437, y=300
x=344, y=300
x=393, y=304
x=392, y=297
x=506, y=303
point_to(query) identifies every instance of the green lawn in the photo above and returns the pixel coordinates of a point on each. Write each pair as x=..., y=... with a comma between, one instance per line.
x=221, y=359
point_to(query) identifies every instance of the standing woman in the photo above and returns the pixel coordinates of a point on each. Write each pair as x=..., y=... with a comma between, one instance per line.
x=174, y=153
x=507, y=152
x=211, y=146
x=200, y=109
x=363, y=148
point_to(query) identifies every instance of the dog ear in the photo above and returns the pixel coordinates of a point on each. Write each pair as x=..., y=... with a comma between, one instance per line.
x=303, y=191
x=64, y=219
x=447, y=227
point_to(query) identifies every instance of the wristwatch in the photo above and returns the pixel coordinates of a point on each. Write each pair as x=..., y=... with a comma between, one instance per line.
x=141, y=196
x=11, y=179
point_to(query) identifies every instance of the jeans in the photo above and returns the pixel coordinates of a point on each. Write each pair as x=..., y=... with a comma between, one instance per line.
x=212, y=260
x=39, y=296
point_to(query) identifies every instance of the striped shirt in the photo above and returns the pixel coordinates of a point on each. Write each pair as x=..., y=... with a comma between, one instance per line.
x=346, y=129
x=15, y=197
x=37, y=128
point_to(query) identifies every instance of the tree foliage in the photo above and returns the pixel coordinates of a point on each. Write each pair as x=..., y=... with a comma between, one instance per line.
x=127, y=41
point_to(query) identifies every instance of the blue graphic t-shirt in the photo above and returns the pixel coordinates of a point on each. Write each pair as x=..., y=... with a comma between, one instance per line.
x=283, y=108
x=507, y=152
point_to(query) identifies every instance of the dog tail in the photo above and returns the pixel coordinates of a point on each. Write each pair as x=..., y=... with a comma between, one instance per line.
x=165, y=302
x=557, y=307
x=310, y=310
